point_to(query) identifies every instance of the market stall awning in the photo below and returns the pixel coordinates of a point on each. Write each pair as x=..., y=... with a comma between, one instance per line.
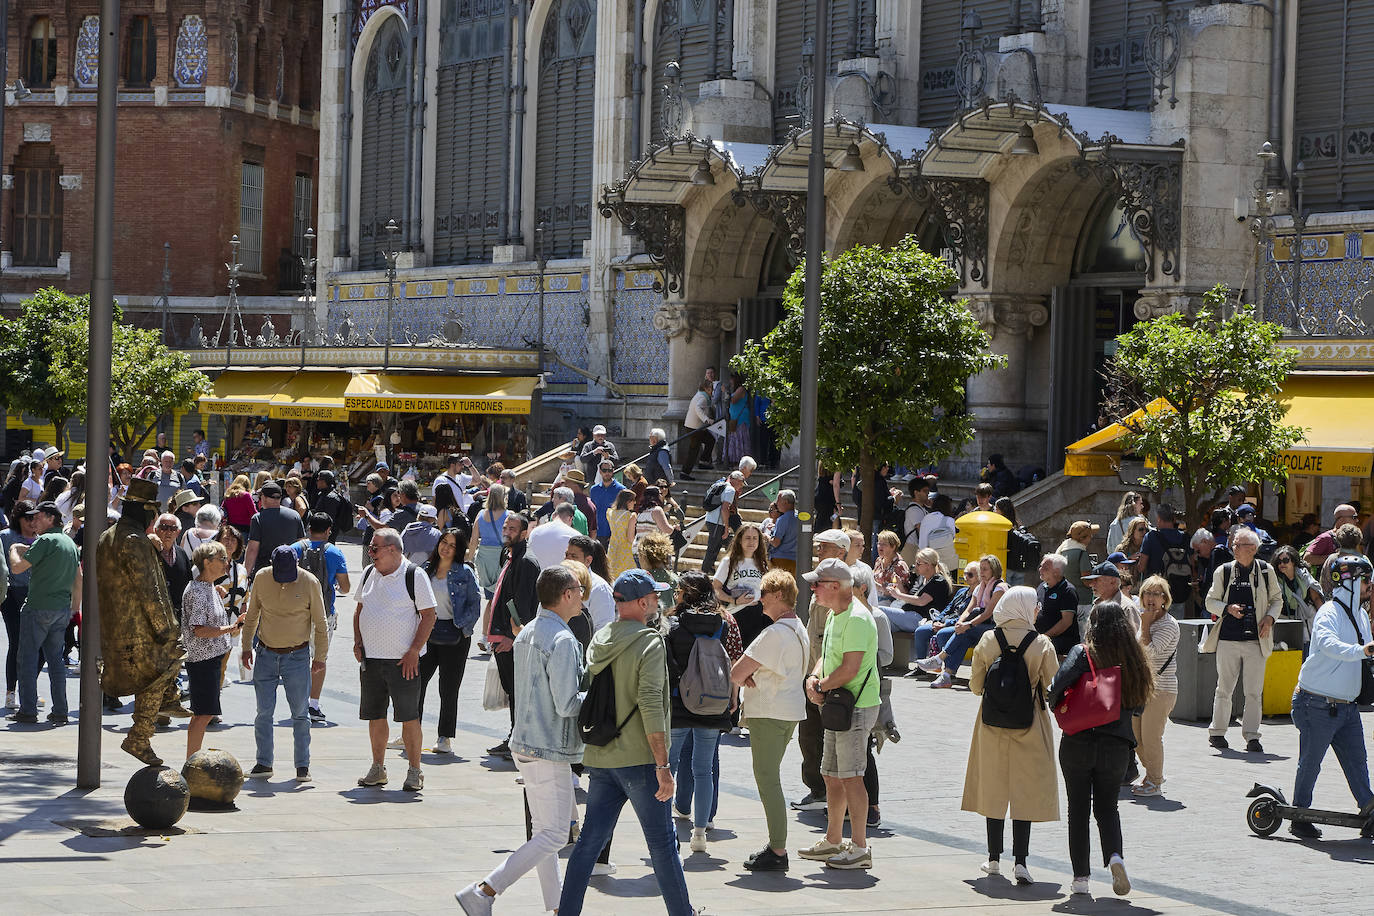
x=250, y=393
x=440, y=393
x=314, y=396
x=1323, y=404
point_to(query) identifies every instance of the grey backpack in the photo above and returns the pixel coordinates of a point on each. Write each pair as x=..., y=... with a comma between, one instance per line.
x=704, y=687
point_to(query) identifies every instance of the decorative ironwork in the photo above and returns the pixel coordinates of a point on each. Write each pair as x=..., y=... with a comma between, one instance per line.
x=805, y=82
x=673, y=116
x=661, y=227
x=961, y=204
x=1150, y=189
x=786, y=210
x=970, y=73
x=1162, y=49
x=232, y=314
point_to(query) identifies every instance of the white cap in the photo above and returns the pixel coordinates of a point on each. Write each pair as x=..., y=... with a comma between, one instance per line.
x=39, y=454
x=598, y=430
x=427, y=511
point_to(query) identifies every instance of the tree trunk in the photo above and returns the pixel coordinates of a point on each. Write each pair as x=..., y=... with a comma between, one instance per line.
x=867, y=498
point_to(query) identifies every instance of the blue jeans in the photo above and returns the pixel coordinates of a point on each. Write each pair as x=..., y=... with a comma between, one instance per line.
x=700, y=749
x=956, y=645
x=292, y=671
x=1318, y=729
x=920, y=646
x=42, y=632
x=904, y=621
x=607, y=792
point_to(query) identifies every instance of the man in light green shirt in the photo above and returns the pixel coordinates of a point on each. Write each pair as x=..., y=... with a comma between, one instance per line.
x=849, y=660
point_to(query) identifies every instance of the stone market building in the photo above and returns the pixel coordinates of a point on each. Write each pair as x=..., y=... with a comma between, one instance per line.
x=1082, y=165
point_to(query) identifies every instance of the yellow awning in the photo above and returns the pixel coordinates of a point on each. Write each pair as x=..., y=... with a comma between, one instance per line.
x=440, y=393
x=1324, y=404
x=314, y=396
x=245, y=393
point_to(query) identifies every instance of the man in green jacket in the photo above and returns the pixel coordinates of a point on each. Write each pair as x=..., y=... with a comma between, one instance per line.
x=633, y=766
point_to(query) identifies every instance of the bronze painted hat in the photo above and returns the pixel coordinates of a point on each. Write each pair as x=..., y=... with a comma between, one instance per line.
x=141, y=490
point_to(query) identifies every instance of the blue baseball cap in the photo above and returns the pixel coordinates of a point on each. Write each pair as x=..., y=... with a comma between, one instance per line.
x=1119, y=559
x=1104, y=569
x=634, y=584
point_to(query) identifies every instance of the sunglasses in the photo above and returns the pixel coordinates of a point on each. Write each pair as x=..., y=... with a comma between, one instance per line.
x=168, y=527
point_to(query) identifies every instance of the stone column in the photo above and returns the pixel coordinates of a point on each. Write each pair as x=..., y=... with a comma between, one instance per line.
x=693, y=330
x=997, y=399
x=328, y=219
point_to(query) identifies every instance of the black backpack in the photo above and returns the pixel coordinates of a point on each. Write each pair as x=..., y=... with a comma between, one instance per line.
x=711, y=501
x=597, y=720
x=1008, y=701
x=1178, y=571
x=1023, y=549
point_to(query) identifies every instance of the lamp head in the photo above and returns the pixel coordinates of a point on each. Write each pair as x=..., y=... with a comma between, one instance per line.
x=1025, y=144
x=703, y=174
x=852, y=161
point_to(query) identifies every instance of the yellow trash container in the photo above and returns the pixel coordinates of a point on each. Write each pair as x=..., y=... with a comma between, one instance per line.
x=1280, y=680
x=981, y=533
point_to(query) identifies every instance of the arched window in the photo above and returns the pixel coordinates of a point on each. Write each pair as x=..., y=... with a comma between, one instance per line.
x=940, y=36
x=37, y=200
x=1333, y=112
x=1108, y=244
x=382, y=195
x=472, y=139
x=141, y=55
x=40, y=68
x=850, y=35
x=682, y=33
x=563, y=148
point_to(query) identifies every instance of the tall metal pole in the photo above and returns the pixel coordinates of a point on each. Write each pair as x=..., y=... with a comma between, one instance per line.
x=811, y=316
x=542, y=260
x=393, y=232
x=98, y=397
x=4, y=68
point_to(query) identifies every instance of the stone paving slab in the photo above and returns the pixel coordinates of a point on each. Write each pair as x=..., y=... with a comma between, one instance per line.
x=331, y=847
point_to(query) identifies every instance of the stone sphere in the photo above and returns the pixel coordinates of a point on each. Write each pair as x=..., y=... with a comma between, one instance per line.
x=213, y=776
x=156, y=797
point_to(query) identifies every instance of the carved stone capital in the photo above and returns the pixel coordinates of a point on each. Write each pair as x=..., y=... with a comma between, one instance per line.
x=1156, y=302
x=1013, y=314
x=689, y=319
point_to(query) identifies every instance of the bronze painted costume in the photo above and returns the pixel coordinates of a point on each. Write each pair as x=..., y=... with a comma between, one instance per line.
x=139, y=634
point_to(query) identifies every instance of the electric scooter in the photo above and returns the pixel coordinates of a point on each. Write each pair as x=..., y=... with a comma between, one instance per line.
x=1270, y=809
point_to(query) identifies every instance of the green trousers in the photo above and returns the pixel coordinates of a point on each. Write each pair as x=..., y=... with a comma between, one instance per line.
x=768, y=741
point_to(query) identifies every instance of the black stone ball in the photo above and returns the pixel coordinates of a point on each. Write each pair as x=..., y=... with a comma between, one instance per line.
x=156, y=797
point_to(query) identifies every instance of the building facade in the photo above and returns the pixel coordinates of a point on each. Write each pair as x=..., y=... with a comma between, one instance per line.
x=1082, y=165
x=218, y=136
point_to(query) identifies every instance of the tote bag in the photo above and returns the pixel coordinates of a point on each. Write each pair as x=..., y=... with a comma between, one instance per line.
x=1095, y=700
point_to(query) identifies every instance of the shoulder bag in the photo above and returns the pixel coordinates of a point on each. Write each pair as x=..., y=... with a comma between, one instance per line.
x=837, y=706
x=1095, y=700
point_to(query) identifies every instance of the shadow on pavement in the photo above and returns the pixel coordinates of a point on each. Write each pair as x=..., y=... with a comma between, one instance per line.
x=1007, y=889
x=1110, y=906
x=380, y=796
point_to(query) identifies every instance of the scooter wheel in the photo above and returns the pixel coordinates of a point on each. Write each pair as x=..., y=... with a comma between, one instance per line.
x=1262, y=816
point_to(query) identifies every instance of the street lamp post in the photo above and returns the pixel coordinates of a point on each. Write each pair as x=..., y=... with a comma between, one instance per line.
x=541, y=260
x=308, y=282
x=392, y=252
x=98, y=362
x=811, y=315
x=1264, y=228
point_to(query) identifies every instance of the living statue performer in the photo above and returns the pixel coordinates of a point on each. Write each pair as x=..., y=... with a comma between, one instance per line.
x=139, y=633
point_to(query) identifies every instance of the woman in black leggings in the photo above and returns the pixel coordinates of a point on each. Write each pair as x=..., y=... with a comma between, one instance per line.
x=20, y=531
x=1094, y=761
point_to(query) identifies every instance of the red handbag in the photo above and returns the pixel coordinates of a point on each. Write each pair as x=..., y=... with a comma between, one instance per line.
x=1095, y=700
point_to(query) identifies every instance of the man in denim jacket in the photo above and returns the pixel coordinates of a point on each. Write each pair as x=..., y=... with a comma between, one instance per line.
x=545, y=741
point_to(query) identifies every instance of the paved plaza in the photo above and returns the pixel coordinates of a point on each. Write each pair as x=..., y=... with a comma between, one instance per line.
x=331, y=847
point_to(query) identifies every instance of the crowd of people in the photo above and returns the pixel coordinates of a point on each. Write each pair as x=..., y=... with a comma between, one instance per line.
x=619, y=666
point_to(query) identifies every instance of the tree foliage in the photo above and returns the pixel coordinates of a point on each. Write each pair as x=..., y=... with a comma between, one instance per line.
x=1222, y=377
x=895, y=355
x=148, y=380
x=27, y=344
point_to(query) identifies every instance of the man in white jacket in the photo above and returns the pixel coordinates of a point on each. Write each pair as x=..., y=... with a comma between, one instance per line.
x=699, y=420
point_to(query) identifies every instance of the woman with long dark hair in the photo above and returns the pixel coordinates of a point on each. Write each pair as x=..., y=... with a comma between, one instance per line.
x=1094, y=761
x=458, y=604
x=20, y=531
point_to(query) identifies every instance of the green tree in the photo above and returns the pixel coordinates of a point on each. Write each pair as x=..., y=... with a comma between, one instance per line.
x=895, y=354
x=148, y=380
x=1221, y=378
x=26, y=355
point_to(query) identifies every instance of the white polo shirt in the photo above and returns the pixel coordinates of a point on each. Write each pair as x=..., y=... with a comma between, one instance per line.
x=389, y=619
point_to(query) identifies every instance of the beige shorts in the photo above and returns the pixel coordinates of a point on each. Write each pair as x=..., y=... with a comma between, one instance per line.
x=845, y=754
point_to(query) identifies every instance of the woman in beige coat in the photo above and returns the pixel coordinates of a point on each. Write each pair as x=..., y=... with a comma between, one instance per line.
x=1013, y=768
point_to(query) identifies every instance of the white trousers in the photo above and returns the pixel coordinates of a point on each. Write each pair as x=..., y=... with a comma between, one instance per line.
x=1243, y=660
x=548, y=788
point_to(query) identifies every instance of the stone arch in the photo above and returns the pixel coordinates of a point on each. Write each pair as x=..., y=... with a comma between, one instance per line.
x=361, y=50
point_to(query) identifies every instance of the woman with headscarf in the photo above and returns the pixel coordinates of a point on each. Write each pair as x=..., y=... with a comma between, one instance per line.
x=1013, y=768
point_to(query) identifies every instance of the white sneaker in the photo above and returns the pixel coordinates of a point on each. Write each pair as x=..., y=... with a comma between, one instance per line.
x=1022, y=874
x=603, y=868
x=943, y=681
x=698, y=839
x=679, y=814
x=931, y=664
x=1121, y=885
x=445, y=746
x=473, y=902
x=10, y=701
x=991, y=867
x=1079, y=886
x=397, y=743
